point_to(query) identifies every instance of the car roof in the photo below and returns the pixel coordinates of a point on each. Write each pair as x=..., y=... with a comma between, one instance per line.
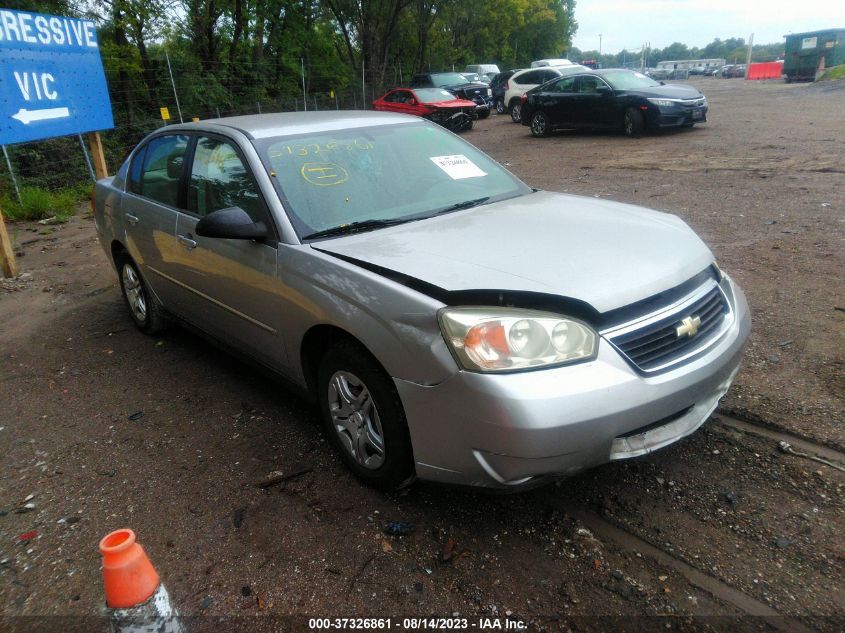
x=572, y=69
x=258, y=126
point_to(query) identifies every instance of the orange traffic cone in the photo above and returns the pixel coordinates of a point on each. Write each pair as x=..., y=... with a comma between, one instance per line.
x=138, y=601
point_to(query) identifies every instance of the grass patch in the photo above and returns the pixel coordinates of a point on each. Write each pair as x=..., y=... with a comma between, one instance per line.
x=37, y=203
x=834, y=72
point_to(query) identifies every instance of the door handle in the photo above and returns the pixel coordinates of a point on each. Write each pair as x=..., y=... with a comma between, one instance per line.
x=132, y=219
x=186, y=240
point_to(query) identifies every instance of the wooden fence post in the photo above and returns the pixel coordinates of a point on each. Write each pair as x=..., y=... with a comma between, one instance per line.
x=7, y=256
x=95, y=143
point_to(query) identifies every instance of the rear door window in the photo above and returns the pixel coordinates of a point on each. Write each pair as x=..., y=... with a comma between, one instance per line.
x=164, y=160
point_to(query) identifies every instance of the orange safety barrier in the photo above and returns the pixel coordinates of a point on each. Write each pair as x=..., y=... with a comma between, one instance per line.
x=765, y=70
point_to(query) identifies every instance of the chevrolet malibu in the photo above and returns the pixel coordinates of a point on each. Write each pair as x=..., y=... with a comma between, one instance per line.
x=451, y=323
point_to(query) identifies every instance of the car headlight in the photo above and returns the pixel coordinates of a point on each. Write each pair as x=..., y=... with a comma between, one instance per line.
x=663, y=103
x=492, y=339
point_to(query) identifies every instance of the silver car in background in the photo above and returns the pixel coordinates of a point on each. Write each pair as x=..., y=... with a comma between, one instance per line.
x=451, y=323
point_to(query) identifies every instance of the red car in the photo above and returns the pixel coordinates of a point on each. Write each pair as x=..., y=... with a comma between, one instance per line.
x=435, y=104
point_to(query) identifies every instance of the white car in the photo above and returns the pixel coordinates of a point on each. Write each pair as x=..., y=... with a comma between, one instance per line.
x=541, y=63
x=524, y=80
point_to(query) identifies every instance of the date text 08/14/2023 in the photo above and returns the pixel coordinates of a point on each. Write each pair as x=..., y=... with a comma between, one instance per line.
x=416, y=624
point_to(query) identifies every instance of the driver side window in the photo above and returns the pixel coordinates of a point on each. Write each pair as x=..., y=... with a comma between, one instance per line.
x=219, y=180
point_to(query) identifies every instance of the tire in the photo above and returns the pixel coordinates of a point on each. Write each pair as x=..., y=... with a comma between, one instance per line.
x=540, y=124
x=500, y=106
x=515, y=110
x=144, y=308
x=372, y=437
x=484, y=115
x=633, y=123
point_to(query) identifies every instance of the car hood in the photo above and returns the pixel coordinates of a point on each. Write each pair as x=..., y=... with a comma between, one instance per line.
x=467, y=86
x=604, y=253
x=452, y=103
x=669, y=91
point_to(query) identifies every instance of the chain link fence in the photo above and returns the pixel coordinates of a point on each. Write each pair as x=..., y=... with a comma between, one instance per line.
x=188, y=91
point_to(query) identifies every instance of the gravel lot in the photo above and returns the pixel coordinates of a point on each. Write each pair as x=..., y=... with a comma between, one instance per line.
x=721, y=531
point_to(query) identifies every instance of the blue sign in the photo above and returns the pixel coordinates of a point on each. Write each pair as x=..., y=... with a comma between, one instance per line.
x=51, y=78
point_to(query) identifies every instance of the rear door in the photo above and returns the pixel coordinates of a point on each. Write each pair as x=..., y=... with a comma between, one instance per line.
x=559, y=102
x=232, y=291
x=150, y=208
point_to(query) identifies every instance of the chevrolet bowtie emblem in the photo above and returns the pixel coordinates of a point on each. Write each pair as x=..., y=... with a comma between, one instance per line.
x=688, y=327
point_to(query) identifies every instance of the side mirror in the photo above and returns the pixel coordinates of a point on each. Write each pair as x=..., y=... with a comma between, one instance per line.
x=232, y=224
x=662, y=83
x=603, y=90
x=412, y=101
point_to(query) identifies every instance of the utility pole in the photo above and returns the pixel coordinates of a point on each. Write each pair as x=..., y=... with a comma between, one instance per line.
x=599, y=46
x=748, y=57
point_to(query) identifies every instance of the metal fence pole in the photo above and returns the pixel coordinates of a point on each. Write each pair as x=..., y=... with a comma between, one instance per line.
x=173, y=83
x=12, y=174
x=87, y=158
x=258, y=103
x=304, y=94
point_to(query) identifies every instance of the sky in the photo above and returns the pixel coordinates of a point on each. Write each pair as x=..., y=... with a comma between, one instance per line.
x=627, y=24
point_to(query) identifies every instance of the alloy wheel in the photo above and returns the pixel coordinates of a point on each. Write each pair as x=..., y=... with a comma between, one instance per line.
x=539, y=124
x=356, y=419
x=134, y=291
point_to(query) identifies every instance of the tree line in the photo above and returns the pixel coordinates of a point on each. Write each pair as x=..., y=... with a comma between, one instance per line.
x=732, y=50
x=251, y=50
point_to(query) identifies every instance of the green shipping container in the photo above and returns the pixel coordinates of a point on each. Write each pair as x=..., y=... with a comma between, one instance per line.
x=804, y=51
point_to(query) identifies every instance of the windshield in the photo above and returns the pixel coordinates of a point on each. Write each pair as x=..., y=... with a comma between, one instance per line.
x=627, y=80
x=398, y=172
x=430, y=95
x=448, y=79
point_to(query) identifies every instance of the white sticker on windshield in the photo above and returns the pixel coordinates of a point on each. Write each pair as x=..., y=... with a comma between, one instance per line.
x=458, y=166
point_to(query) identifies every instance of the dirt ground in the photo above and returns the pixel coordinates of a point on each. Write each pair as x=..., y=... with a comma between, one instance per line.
x=102, y=428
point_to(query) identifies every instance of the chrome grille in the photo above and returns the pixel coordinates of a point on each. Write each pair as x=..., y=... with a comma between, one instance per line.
x=653, y=344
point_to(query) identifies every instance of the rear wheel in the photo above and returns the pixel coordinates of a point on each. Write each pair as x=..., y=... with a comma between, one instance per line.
x=633, y=122
x=516, y=110
x=363, y=417
x=539, y=124
x=500, y=106
x=144, y=308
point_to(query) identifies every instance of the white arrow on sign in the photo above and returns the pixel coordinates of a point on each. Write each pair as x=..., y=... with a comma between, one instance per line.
x=28, y=116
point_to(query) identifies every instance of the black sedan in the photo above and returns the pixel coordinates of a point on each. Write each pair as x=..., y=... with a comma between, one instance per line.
x=611, y=99
x=456, y=83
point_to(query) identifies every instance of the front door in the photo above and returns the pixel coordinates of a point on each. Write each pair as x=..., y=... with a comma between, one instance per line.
x=593, y=103
x=232, y=291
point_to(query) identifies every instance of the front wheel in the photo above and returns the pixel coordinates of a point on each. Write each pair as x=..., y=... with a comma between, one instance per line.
x=539, y=124
x=363, y=417
x=633, y=123
x=484, y=114
x=500, y=106
x=516, y=111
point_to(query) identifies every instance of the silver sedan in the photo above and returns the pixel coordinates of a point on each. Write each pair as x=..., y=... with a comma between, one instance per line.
x=451, y=323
